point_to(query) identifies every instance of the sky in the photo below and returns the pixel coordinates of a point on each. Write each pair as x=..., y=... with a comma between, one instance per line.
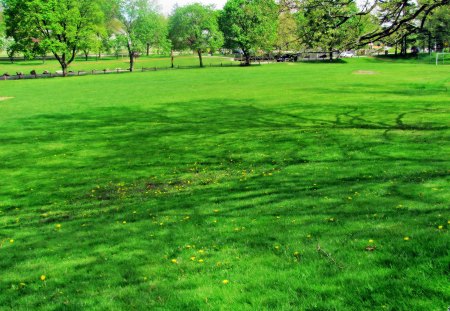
x=167, y=5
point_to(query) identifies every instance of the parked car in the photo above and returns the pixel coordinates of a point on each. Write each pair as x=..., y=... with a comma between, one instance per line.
x=287, y=58
x=347, y=54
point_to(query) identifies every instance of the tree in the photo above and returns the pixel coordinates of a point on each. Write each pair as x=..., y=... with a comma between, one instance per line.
x=287, y=34
x=154, y=32
x=393, y=16
x=195, y=27
x=404, y=16
x=2, y=23
x=134, y=16
x=54, y=25
x=321, y=26
x=437, y=28
x=90, y=43
x=249, y=25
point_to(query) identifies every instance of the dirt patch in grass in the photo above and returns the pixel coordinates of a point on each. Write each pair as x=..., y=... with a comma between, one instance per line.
x=364, y=72
x=5, y=98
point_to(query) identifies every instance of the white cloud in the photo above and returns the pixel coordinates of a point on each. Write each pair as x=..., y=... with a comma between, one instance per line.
x=167, y=5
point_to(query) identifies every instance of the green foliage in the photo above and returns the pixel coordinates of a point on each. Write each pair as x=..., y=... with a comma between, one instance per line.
x=287, y=33
x=138, y=25
x=249, y=25
x=57, y=26
x=2, y=23
x=153, y=30
x=438, y=26
x=324, y=25
x=195, y=27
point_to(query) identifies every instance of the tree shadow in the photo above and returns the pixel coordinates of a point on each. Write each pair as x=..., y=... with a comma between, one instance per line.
x=131, y=187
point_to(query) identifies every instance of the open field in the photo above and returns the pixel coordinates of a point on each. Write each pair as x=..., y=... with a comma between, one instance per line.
x=110, y=63
x=281, y=187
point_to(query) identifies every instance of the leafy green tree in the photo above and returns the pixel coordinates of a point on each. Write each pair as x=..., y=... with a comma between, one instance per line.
x=2, y=23
x=90, y=43
x=401, y=17
x=287, y=34
x=322, y=26
x=195, y=27
x=153, y=29
x=117, y=44
x=134, y=16
x=438, y=28
x=57, y=26
x=249, y=25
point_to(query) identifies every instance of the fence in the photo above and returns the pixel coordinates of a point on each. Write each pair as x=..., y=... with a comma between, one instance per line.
x=20, y=76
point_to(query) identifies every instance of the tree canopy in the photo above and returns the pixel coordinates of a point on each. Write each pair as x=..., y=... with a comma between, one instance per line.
x=57, y=26
x=195, y=27
x=321, y=26
x=249, y=25
x=138, y=25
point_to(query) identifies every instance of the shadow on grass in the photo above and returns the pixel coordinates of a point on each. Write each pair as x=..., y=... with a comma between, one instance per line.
x=133, y=187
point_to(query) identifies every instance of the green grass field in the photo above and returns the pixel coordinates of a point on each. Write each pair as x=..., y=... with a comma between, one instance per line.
x=275, y=187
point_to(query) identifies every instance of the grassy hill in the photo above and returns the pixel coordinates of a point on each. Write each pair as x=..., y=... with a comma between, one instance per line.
x=283, y=186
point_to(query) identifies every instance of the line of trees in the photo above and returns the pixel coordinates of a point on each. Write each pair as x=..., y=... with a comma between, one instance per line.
x=65, y=28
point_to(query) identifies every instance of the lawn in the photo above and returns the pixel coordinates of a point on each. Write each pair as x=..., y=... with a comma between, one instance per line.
x=281, y=187
x=111, y=63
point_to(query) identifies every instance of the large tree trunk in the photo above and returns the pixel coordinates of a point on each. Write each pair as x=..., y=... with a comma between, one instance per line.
x=430, y=45
x=199, y=52
x=331, y=55
x=131, y=56
x=404, y=45
x=247, y=58
x=131, y=62
x=148, y=49
x=171, y=58
x=62, y=61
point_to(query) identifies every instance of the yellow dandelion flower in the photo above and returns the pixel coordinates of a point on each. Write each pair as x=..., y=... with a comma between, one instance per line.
x=371, y=241
x=216, y=211
x=43, y=277
x=193, y=258
x=188, y=246
x=174, y=261
x=11, y=241
x=448, y=222
x=201, y=251
x=406, y=238
x=124, y=222
x=441, y=227
x=200, y=260
x=225, y=282
x=58, y=226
